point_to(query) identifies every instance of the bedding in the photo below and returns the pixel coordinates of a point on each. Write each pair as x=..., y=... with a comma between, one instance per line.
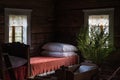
x=53, y=56
x=57, y=54
x=44, y=64
x=61, y=47
x=17, y=61
x=20, y=73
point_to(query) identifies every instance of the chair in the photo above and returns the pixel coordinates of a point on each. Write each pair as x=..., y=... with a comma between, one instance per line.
x=110, y=73
x=115, y=75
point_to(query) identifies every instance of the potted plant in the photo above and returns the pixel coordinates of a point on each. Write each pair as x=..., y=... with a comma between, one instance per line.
x=94, y=44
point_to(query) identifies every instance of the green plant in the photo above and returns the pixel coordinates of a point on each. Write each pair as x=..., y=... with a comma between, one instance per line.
x=94, y=44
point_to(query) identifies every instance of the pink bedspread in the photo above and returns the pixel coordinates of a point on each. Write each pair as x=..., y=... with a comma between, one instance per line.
x=45, y=64
x=20, y=73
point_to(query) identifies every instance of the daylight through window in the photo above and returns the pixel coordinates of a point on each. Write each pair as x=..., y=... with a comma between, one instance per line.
x=17, y=28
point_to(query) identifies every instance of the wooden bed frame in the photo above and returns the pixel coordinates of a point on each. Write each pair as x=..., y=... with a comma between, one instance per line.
x=19, y=50
x=41, y=66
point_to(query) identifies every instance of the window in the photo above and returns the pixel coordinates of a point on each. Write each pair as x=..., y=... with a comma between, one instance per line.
x=17, y=25
x=16, y=34
x=99, y=20
x=103, y=18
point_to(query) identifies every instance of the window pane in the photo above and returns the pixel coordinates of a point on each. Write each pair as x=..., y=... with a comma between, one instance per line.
x=99, y=20
x=20, y=20
x=98, y=23
x=10, y=34
x=18, y=39
x=18, y=34
x=10, y=39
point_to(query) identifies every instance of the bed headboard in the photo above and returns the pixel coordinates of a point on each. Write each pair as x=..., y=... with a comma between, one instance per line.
x=16, y=49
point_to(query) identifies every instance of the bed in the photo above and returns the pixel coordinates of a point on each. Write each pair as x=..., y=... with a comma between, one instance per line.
x=46, y=64
x=18, y=54
x=53, y=56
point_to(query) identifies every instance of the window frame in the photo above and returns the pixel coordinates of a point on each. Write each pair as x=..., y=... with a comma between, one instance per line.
x=11, y=11
x=106, y=11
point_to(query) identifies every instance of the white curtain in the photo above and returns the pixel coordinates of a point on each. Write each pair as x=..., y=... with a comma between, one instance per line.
x=99, y=20
x=19, y=20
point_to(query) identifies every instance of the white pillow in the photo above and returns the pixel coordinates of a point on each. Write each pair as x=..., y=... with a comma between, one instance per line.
x=59, y=47
x=57, y=54
x=17, y=61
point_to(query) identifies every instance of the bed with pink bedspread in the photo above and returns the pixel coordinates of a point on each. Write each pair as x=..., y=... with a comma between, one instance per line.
x=45, y=64
x=53, y=56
